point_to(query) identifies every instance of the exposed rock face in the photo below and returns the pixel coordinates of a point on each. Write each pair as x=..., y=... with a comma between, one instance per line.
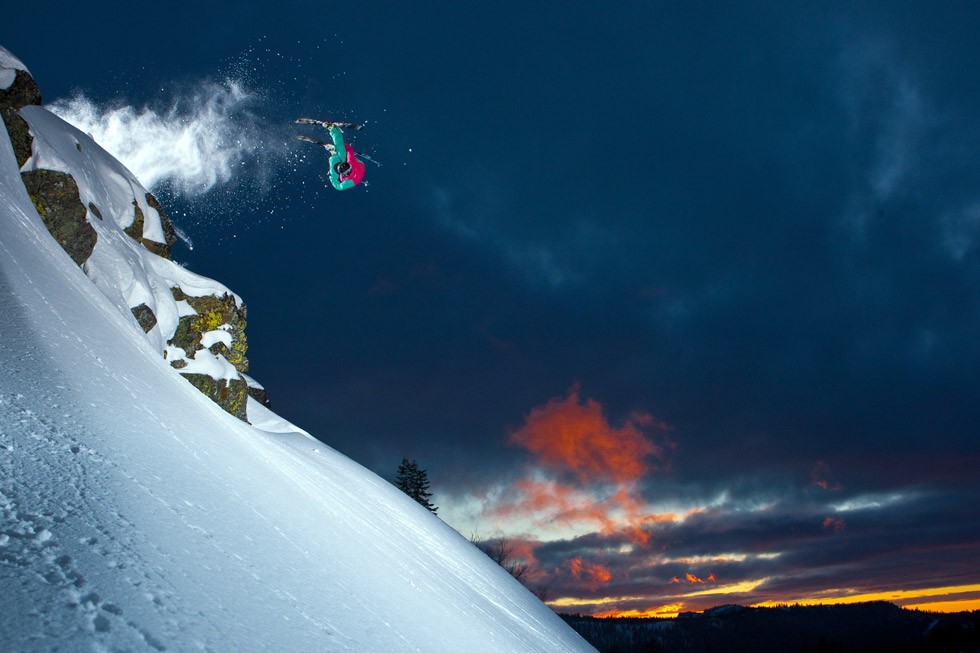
x=55, y=196
x=213, y=314
x=22, y=92
x=260, y=396
x=145, y=317
x=230, y=395
x=135, y=230
x=170, y=236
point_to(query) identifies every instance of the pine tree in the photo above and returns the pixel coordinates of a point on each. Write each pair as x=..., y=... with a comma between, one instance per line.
x=414, y=481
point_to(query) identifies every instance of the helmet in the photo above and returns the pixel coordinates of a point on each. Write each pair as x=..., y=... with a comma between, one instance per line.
x=342, y=168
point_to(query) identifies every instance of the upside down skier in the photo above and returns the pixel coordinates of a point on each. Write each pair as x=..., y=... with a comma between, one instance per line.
x=346, y=171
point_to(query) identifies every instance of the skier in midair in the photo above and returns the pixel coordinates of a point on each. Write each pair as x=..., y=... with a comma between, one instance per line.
x=346, y=171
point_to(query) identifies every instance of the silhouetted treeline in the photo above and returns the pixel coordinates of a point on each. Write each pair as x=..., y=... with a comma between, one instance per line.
x=877, y=627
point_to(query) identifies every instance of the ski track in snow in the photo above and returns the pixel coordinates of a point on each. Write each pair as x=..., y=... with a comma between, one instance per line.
x=38, y=519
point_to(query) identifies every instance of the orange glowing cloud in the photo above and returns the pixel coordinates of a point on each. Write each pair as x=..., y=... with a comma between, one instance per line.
x=572, y=439
x=584, y=478
x=691, y=578
x=568, y=435
x=660, y=518
x=592, y=573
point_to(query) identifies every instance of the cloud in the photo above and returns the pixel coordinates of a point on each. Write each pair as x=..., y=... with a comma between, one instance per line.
x=481, y=211
x=909, y=148
x=202, y=140
x=553, y=500
x=890, y=119
x=747, y=551
x=583, y=483
x=835, y=524
x=822, y=478
x=592, y=574
x=567, y=435
x=961, y=231
x=545, y=504
x=586, y=471
x=472, y=214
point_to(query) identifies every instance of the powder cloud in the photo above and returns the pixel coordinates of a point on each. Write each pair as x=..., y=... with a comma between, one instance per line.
x=201, y=140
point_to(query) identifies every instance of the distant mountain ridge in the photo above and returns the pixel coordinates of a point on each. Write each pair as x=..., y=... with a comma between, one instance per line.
x=875, y=627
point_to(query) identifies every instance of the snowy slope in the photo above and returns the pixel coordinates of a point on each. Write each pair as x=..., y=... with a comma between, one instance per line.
x=137, y=515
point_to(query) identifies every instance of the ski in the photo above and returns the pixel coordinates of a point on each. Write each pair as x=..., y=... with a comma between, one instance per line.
x=329, y=146
x=355, y=126
x=312, y=140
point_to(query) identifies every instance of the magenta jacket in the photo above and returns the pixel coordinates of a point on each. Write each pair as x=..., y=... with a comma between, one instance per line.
x=356, y=173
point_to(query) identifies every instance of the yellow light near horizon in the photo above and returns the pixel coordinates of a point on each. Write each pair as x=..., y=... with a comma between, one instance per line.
x=572, y=602
x=895, y=596
x=961, y=605
x=737, y=588
x=708, y=559
x=903, y=598
x=668, y=611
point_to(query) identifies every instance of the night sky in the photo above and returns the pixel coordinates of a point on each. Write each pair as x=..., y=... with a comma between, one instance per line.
x=681, y=298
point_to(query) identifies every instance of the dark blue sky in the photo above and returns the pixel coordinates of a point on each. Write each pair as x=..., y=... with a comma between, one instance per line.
x=759, y=224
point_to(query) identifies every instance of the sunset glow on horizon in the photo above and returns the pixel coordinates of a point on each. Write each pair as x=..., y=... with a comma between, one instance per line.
x=579, y=518
x=900, y=597
x=670, y=606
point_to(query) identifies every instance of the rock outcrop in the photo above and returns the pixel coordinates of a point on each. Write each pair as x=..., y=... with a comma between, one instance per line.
x=213, y=314
x=22, y=92
x=199, y=325
x=216, y=327
x=55, y=196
